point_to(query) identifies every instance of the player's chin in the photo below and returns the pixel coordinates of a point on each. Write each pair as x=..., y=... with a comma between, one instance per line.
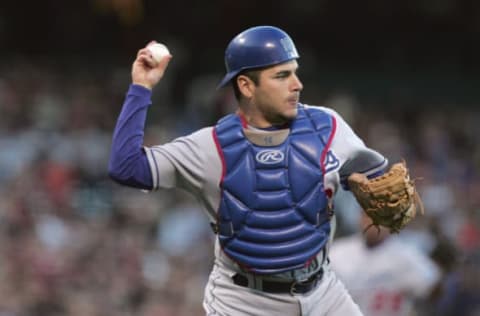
x=291, y=112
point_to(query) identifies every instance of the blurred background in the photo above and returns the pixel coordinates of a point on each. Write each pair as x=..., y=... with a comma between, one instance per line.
x=404, y=74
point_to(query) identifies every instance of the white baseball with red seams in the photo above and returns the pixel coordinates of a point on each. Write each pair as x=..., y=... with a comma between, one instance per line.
x=158, y=51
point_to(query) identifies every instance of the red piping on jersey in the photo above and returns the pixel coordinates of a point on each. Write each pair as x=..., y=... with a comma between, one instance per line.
x=328, y=192
x=243, y=120
x=325, y=151
x=220, y=153
x=220, y=184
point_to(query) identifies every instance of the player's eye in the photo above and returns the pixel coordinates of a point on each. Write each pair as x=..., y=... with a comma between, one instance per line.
x=283, y=74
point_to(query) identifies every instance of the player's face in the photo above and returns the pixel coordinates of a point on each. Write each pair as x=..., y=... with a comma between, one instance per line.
x=277, y=93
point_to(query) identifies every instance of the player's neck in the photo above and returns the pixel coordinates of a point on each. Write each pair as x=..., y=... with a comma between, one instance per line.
x=257, y=120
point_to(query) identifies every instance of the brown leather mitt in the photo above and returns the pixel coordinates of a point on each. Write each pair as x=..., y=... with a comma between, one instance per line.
x=390, y=200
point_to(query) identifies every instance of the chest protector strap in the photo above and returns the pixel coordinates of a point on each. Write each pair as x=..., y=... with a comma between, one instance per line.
x=273, y=213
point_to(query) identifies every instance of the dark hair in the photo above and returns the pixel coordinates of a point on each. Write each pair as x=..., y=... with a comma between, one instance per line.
x=252, y=74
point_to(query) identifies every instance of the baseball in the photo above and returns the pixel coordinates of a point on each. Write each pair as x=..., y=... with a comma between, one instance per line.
x=158, y=51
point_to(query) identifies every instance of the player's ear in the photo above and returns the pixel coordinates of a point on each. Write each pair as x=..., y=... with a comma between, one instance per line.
x=245, y=85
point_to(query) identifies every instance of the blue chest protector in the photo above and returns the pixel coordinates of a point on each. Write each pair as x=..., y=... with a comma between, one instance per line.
x=273, y=214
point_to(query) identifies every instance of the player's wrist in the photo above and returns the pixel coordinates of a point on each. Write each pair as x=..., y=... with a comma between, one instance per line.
x=143, y=84
x=139, y=90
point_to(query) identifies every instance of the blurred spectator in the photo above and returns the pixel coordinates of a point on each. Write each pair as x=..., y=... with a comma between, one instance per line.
x=461, y=291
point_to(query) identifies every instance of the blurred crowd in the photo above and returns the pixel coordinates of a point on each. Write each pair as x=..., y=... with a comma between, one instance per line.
x=74, y=243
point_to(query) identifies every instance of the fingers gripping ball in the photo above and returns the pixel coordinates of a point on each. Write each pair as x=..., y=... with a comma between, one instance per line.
x=390, y=200
x=158, y=51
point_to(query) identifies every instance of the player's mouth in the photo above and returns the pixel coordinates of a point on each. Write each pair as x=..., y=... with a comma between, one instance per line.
x=293, y=100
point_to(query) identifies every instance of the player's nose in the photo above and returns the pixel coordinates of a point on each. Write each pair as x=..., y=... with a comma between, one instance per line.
x=297, y=84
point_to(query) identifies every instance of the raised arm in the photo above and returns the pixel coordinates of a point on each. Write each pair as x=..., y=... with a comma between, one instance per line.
x=128, y=163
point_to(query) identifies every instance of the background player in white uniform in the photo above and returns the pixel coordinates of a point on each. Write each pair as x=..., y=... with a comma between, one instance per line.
x=268, y=89
x=383, y=273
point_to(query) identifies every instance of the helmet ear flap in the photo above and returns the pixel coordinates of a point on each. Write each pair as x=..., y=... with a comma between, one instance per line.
x=257, y=47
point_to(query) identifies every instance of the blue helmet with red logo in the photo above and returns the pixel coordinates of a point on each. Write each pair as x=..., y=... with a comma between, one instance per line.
x=257, y=47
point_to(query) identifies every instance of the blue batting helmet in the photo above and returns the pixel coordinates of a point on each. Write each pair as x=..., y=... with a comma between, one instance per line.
x=257, y=47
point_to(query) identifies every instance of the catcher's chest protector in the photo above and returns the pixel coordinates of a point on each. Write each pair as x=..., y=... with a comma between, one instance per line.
x=273, y=212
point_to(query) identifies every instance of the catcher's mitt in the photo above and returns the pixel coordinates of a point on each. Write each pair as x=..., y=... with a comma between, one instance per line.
x=390, y=200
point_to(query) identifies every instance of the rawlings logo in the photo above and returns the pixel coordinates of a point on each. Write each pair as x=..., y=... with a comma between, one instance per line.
x=270, y=156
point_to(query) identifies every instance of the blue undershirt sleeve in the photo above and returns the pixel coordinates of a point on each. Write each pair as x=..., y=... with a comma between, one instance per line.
x=128, y=163
x=346, y=187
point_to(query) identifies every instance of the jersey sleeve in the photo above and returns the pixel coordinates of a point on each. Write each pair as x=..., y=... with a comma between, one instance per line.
x=350, y=152
x=183, y=162
x=128, y=164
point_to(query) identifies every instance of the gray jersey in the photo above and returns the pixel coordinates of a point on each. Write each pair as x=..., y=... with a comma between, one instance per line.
x=192, y=163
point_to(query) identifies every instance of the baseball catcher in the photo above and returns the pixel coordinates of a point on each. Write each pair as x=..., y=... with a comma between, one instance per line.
x=390, y=200
x=265, y=175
